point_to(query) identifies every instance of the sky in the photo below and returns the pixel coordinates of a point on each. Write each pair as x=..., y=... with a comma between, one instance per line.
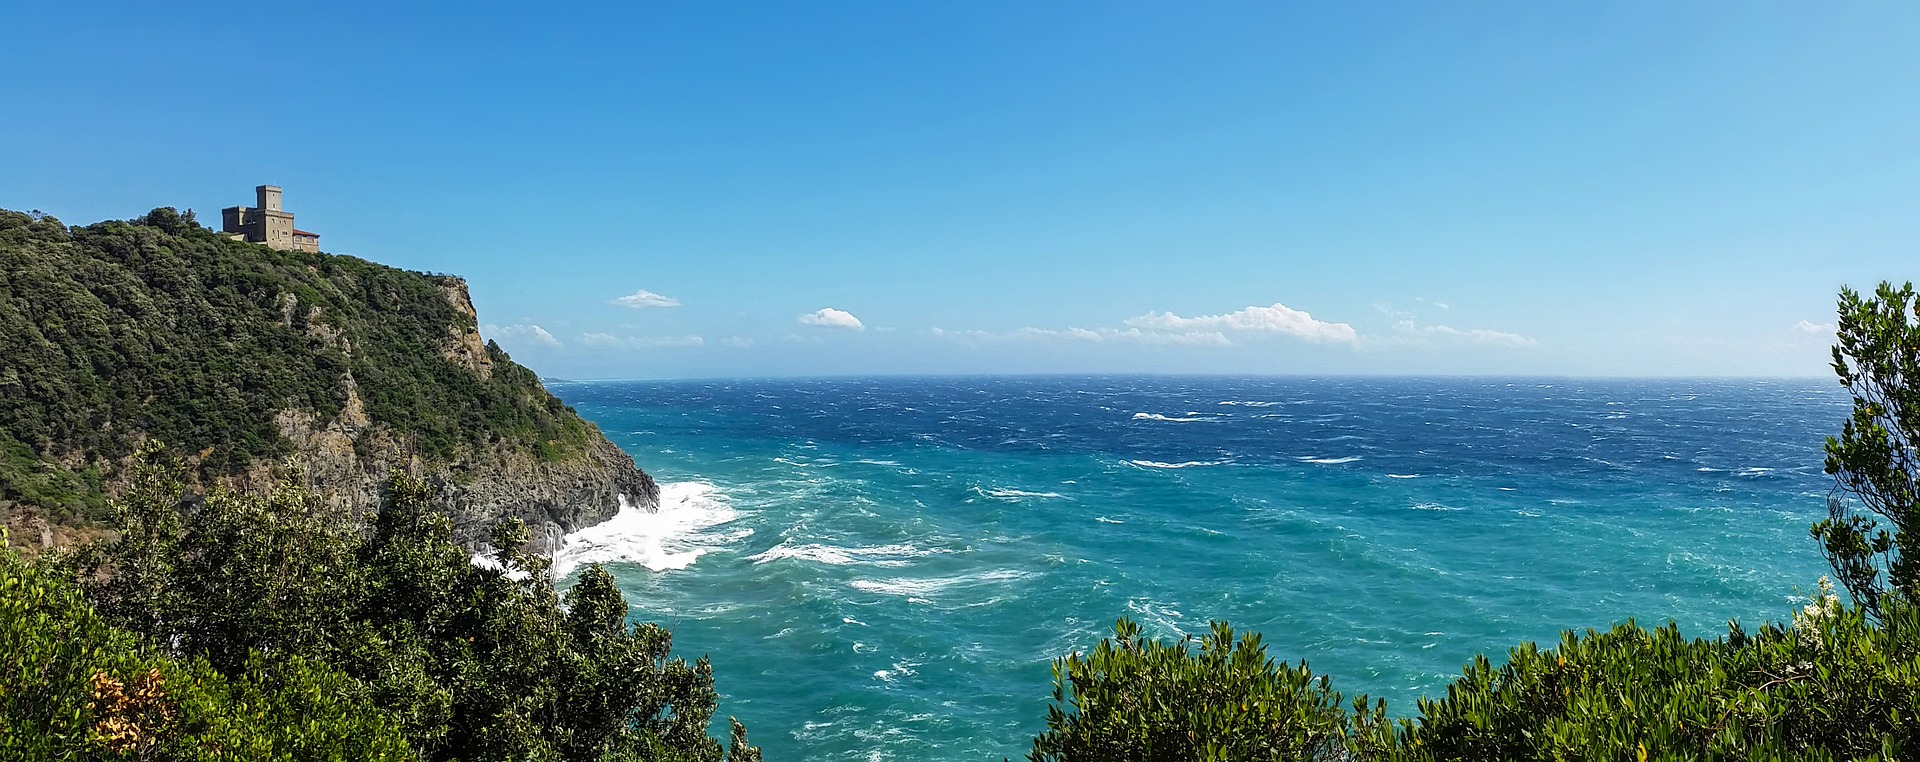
x=719, y=189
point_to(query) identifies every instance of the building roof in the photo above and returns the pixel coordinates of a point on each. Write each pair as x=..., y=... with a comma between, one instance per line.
x=303, y=232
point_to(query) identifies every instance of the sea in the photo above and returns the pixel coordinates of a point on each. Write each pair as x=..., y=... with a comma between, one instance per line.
x=885, y=568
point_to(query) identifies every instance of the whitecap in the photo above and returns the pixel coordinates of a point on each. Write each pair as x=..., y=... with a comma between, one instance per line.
x=918, y=590
x=872, y=555
x=1329, y=461
x=1244, y=403
x=1002, y=493
x=1105, y=520
x=1189, y=418
x=669, y=537
x=1403, y=476
x=485, y=561
x=1186, y=464
x=1435, y=507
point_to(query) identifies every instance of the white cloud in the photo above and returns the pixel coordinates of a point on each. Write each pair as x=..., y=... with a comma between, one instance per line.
x=521, y=333
x=1810, y=327
x=1278, y=318
x=643, y=299
x=1104, y=335
x=1472, y=335
x=602, y=341
x=829, y=317
x=612, y=342
x=663, y=342
x=1440, y=305
x=737, y=342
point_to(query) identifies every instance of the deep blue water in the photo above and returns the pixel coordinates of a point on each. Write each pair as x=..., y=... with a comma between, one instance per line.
x=882, y=569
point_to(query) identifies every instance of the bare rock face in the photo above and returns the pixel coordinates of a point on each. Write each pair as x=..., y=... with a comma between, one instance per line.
x=348, y=459
x=350, y=466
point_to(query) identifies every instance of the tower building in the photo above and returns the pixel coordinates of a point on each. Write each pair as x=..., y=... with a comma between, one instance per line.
x=267, y=223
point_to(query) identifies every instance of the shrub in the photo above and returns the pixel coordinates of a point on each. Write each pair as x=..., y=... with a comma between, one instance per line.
x=471, y=663
x=72, y=687
x=1211, y=698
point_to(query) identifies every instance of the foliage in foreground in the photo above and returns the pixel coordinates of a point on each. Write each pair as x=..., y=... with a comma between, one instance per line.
x=72, y=687
x=471, y=663
x=1876, y=459
x=1834, y=685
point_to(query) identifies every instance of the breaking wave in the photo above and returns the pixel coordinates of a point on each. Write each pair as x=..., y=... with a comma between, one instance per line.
x=671, y=537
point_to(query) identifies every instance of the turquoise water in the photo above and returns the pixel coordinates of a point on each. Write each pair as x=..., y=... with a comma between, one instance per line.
x=882, y=569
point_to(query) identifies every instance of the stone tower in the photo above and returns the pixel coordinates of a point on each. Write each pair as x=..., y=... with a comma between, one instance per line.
x=267, y=223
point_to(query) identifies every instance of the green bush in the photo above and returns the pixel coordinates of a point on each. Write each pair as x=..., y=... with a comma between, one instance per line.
x=1834, y=685
x=471, y=663
x=1875, y=461
x=72, y=687
x=1216, y=698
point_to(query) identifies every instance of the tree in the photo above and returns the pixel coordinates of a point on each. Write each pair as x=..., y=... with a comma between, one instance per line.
x=1132, y=698
x=468, y=663
x=1875, y=461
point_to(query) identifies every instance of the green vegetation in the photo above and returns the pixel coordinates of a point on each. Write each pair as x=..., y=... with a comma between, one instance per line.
x=462, y=662
x=1840, y=682
x=1876, y=459
x=72, y=688
x=120, y=331
x=1834, y=685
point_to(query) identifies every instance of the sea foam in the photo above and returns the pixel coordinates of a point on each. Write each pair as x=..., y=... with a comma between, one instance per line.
x=1188, y=418
x=1185, y=464
x=874, y=555
x=672, y=537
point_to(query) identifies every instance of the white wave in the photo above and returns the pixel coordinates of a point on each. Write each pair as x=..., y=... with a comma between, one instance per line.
x=918, y=590
x=1753, y=471
x=484, y=561
x=900, y=669
x=873, y=555
x=1013, y=494
x=1403, y=476
x=671, y=537
x=1435, y=507
x=1709, y=470
x=1251, y=404
x=1187, y=464
x=1105, y=520
x=1329, y=461
x=1188, y=418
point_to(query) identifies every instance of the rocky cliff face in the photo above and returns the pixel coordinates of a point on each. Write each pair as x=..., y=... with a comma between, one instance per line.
x=242, y=358
x=349, y=458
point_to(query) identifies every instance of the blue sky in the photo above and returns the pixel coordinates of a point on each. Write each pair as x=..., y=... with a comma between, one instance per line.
x=1460, y=187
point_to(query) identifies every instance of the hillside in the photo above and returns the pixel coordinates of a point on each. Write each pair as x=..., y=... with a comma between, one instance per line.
x=240, y=357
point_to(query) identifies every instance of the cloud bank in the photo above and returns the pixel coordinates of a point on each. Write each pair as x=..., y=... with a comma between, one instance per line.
x=1278, y=319
x=1471, y=335
x=609, y=341
x=643, y=299
x=517, y=334
x=828, y=317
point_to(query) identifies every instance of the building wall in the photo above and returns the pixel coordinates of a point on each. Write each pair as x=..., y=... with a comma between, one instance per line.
x=266, y=223
x=276, y=228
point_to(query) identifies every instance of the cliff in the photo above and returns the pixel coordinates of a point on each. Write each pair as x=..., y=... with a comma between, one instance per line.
x=242, y=358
